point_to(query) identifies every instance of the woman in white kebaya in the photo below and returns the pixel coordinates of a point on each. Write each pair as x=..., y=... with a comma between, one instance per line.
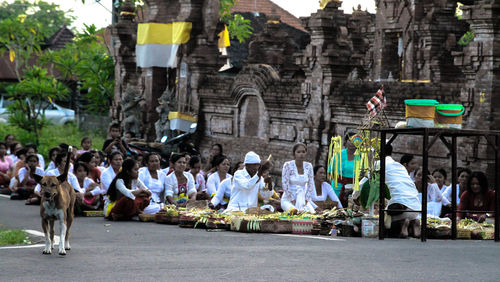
x=298, y=182
x=222, y=166
x=115, y=161
x=199, y=179
x=323, y=191
x=435, y=199
x=156, y=181
x=180, y=183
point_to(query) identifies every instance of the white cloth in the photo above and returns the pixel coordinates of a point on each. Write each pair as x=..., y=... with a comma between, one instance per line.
x=157, y=188
x=22, y=174
x=401, y=187
x=107, y=177
x=447, y=194
x=245, y=190
x=252, y=158
x=51, y=166
x=41, y=161
x=224, y=191
x=199, y=182
x=87, y=182
x=443, y=188
x=214, y=181
x=72, y=180
x=172, y=184
x=326, y=192
x=435, y=200
x=297, y=187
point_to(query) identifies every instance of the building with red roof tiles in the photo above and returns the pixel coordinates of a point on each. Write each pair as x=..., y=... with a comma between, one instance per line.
x=269, y=8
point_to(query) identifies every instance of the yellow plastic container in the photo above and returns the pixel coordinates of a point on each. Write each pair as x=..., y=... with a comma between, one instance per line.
x=449, y=116
x=420, y=112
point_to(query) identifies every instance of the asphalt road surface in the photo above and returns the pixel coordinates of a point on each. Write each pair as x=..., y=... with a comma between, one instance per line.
x=137, y=251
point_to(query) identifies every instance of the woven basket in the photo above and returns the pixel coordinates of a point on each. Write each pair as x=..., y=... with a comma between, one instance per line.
x=463, y=234
x=257, y=211
x=302, y=226
x=487, y=234
x=268, y=226
x=164, y=218
x=203, y=204
x=186, y=221
x=326, y=205
x=93, y=213
x=146, y=217
x=439, y=233
x=283, y=227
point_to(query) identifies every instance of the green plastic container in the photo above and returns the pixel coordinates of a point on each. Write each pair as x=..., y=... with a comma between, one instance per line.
x=420, y=112
x=449, y=116
x=450, y=107
x=421, y=102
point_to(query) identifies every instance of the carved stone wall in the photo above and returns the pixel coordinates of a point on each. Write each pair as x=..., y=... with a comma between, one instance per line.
x=414, y=40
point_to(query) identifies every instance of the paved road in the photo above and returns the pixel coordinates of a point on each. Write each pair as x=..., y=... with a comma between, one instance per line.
x=136, y=251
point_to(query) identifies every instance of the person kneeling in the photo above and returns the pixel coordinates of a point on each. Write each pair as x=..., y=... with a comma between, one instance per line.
x=247, y=184
x=127, y=195
x=404, y=198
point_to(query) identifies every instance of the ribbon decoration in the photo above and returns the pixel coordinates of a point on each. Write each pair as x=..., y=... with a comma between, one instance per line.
x=335, y=159
x=361, y=160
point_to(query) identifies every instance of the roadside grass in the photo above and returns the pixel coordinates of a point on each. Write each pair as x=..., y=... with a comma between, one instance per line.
x=13, y=237
x=53, y=135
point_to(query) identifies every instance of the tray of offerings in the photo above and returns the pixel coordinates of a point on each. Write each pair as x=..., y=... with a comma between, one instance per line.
x=146, y=217
x=187, y=221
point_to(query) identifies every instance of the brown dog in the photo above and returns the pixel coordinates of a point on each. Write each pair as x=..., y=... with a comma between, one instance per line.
x=58, y=203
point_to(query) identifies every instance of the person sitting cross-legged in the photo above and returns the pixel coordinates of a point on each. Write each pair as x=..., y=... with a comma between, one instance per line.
x=127, y=195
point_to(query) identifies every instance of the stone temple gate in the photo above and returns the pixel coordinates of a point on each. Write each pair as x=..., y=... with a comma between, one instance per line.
x=285, y=94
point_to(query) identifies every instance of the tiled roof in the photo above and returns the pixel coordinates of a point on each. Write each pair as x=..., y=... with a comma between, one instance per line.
x=267, y=7
x=57, y=41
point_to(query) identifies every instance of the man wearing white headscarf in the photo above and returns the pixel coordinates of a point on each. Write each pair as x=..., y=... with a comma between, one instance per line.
x=247, y=183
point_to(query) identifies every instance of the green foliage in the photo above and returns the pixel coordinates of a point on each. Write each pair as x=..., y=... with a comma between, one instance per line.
x=87, y=60
x=13, y=237
x=21, y=38
x=32, y=96
x=237, y=25
x=467, y=38
x=53, y=135
x=47, y=15
x=239, y=28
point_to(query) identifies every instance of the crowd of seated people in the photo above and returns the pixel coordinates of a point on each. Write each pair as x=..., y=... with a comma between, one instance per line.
x=124, y=185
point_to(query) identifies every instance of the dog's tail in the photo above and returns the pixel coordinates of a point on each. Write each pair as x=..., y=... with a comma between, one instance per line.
x=64, y=176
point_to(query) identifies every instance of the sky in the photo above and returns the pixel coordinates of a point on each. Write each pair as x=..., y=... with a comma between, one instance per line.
x=99, y=12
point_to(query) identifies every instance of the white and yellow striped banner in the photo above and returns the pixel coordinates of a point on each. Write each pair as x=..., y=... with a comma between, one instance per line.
x=157, y=43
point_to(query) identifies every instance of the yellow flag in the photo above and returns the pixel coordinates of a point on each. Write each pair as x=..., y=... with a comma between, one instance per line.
x=323, y=3
x=12, y=55
x=224, y=38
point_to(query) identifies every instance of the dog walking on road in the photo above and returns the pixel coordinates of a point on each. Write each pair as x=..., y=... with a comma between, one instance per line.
x=58, y=203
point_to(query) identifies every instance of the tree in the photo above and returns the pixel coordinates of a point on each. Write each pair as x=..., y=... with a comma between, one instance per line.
x=48, y=15
x=237, y=25
x=32, y=96
x=23, y=30
x=87, y=60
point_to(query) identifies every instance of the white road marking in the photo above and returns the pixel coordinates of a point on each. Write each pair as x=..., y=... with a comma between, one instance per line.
x=310, y=237
x=34, y=233
x=23, y=247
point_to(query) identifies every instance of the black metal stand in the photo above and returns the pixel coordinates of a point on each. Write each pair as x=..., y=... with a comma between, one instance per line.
x=441, y=134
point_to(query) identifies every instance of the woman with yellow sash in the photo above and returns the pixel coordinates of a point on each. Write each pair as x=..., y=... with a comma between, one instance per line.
x=180, y=183
x=127, y=195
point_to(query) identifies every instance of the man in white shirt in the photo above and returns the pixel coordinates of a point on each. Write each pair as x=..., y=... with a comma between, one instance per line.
x=247, y=183
x=404, y=196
